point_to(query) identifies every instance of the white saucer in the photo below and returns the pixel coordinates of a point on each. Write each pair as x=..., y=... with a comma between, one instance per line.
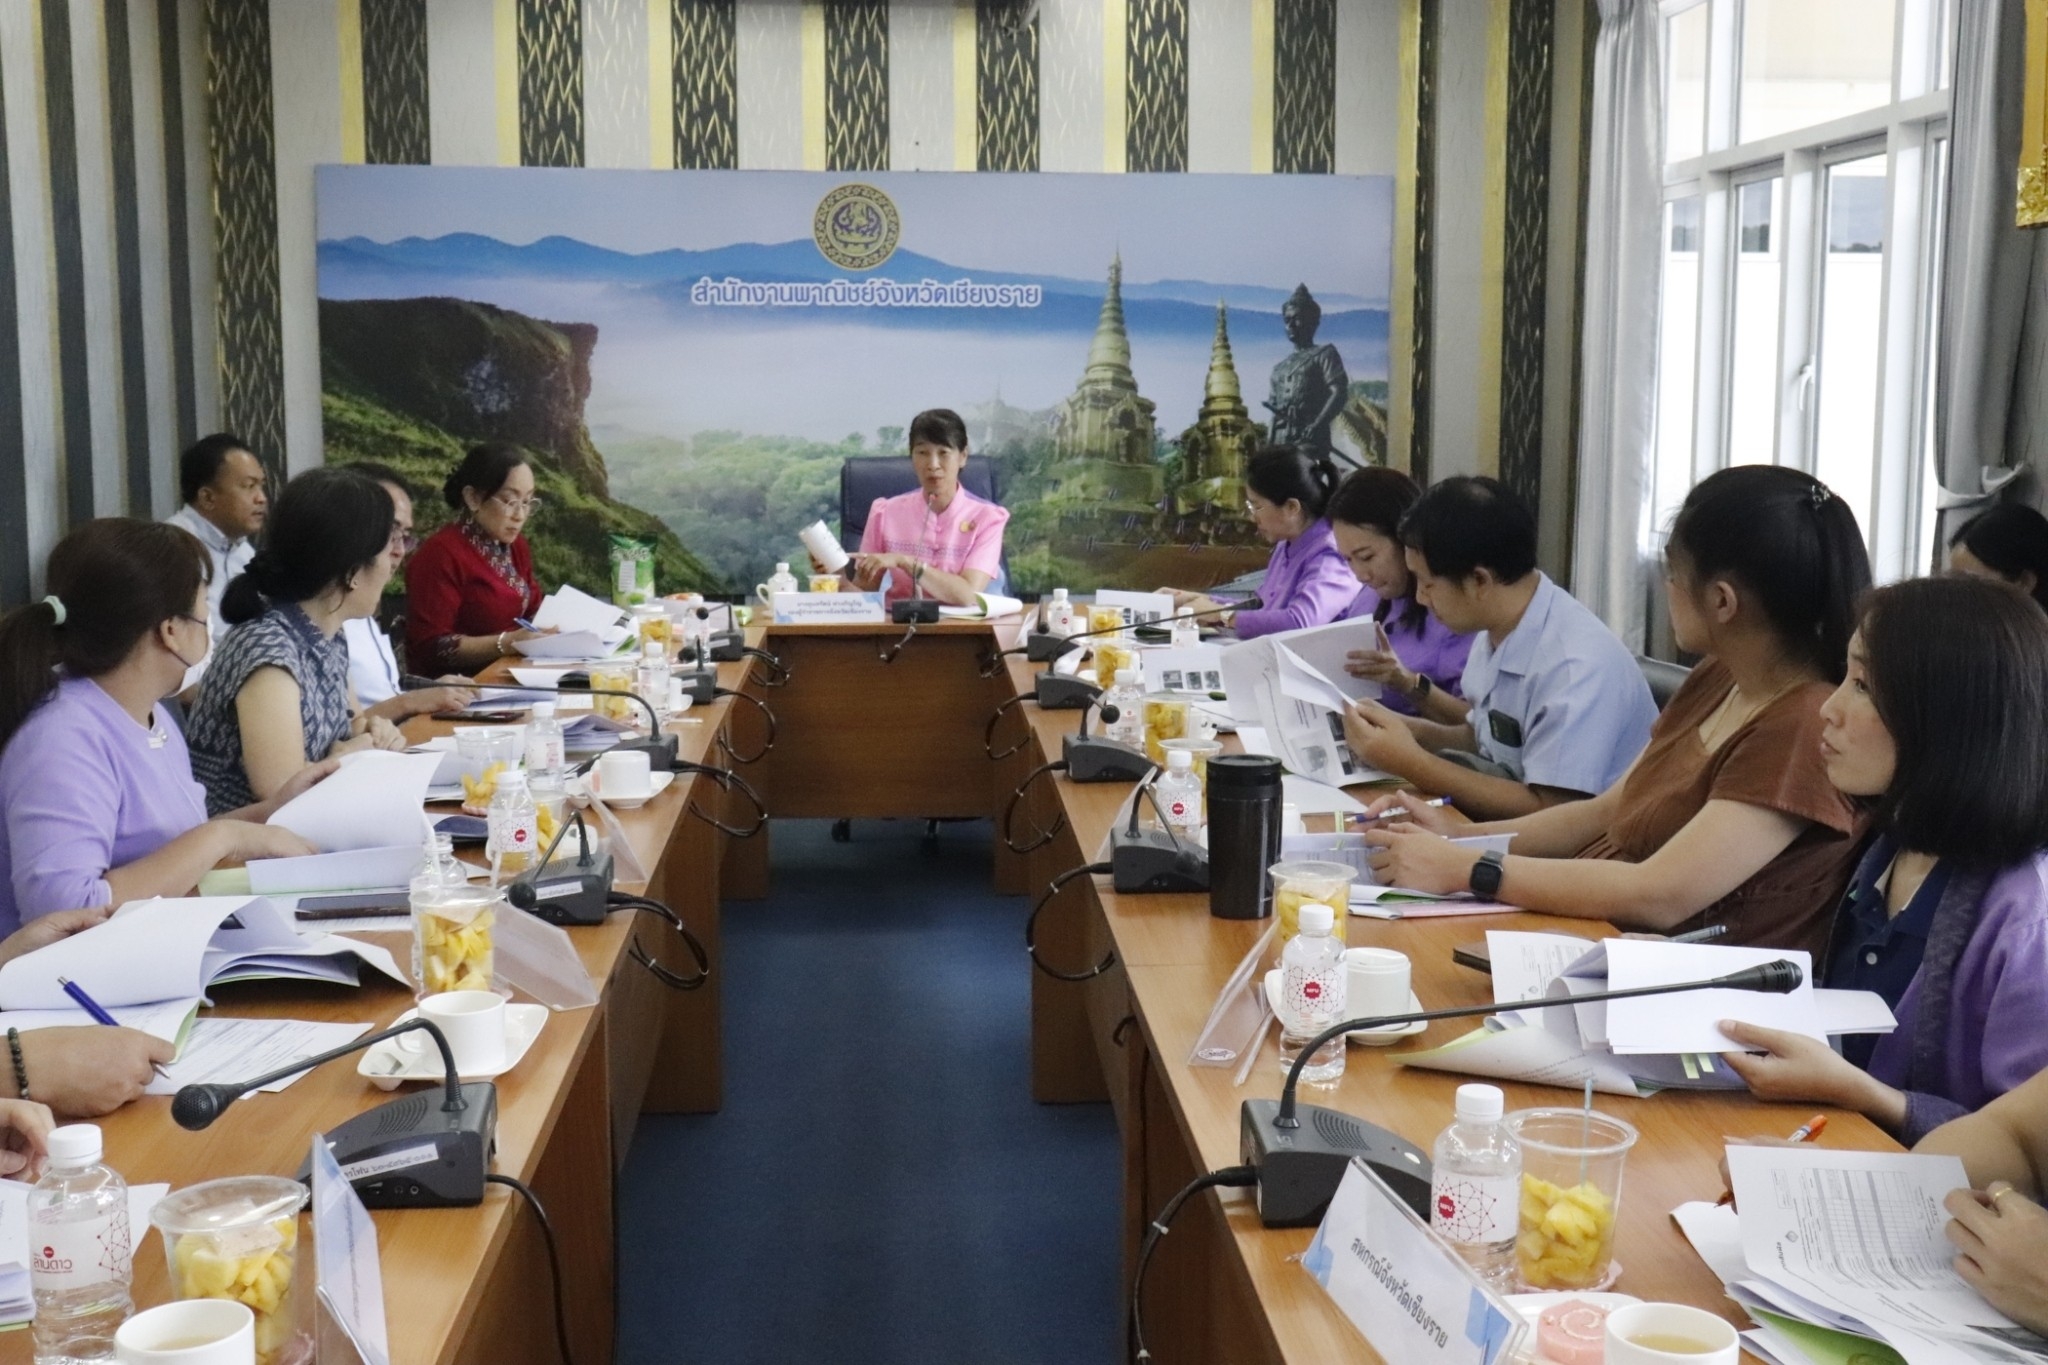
x=389, y=1064
x=659, y=783
x=1369, y=1037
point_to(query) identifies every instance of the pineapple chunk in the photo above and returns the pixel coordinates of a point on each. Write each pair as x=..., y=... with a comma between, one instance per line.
x=1565, y=1236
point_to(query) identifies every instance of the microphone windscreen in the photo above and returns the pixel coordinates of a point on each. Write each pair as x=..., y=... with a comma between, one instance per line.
x=197, y=1106
x=1776, y=978
x=521, y=894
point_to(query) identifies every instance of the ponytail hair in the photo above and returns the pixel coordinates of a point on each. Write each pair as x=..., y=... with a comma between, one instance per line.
x=111, y=582
x=1791, y=545
x=1281, y=473
x=328, y=525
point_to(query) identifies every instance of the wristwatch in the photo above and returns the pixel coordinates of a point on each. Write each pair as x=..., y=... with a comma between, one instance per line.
x=1486, y=874
x=1420, y=692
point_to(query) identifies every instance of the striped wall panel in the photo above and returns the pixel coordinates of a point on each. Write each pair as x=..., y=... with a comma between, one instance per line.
x=15, y=567
x=395, y=121
x=128, y=259
x=550, y=83
x=1526, y=248
x=60, y=135
x=1156, y=85
x=1304, y=86
x=243, y=138
x=171, y=79
x=857, y=85
x=1005, y=87
x=705, y=84
x=1422, y=271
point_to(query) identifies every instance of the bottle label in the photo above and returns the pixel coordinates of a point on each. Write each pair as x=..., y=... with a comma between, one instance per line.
x=1180, y=810
x=1313, y=998
x=1474, y=1208
x=74, y=1255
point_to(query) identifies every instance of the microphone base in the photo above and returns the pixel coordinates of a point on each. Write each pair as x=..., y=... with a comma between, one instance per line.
x=1150, y=861
x=1299, y=1168
x=728, y=646
x=1042, y=648
x=565, y=894
x=923, y=611
x=413, y=1154
x=1056, y=693
x=1095, y=759
x=700, y=685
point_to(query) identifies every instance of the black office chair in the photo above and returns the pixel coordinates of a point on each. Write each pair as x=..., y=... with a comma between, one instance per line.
x=1664, y=678
x=862, y=479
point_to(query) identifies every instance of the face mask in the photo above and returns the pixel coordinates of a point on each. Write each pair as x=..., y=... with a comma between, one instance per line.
x=193, y=671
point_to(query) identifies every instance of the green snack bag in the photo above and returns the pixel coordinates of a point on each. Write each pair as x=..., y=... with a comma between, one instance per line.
x=632, y=570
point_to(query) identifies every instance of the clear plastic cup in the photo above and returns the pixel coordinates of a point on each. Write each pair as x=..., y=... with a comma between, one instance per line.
x=1297, y=883
x=1109, y=658
x=1106, y=619
x=452, y=944
x=238, y=1239
x=613, y=678
x=1165, y=718
x=1571, y=1193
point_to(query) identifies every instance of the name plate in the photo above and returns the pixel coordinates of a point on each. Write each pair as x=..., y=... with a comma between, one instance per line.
x=1402, y=1286
x=350, y=1274
x=828, y=608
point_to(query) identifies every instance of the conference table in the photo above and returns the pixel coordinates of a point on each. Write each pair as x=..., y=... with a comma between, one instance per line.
x=874, y=721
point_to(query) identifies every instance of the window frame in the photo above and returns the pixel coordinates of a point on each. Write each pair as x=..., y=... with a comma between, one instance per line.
x=1907, y=131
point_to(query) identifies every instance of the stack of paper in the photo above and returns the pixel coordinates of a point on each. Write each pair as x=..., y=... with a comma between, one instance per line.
x=1293, y=687
x=1635, y=1047
x=1835, y=1252
x=227, y=1050
x=175, y=950
x=988, y=606
x=589, y=627
x=367, y=820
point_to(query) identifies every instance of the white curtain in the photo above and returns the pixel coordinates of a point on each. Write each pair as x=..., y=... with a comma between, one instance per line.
x=1624, y=262
x=1984, y=287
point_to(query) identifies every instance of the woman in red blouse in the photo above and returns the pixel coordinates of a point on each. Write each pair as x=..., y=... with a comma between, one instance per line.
x=472, y=582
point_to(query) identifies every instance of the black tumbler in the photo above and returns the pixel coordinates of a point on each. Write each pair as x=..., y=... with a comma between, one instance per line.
x=1244, y=834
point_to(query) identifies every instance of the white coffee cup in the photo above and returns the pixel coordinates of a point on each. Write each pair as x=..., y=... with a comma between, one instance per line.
x=1633, y=1334
x=824, y=547
x=473, y=1022
x=1376, y=982
x=625, y=775
x=189, y=1332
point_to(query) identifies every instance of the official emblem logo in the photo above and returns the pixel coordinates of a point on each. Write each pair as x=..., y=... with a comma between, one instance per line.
x=856, y=227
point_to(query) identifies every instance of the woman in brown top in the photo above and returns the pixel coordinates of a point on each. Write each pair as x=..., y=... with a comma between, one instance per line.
x=1728, y=816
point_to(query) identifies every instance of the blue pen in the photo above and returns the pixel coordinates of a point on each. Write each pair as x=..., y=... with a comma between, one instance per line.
x=99, y=1015
x=523, y=623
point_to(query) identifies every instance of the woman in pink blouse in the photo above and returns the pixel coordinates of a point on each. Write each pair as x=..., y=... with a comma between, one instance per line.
x=939, y=540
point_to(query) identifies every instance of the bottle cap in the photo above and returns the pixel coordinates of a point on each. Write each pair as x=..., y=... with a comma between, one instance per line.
x=781, y=566
x=1477, y=1103
x=1318, y=919
x=1179, y=761
x=75, y=1144
x=1059, y=594
x=1127, y=677
x=543, y=710
x=513, y=779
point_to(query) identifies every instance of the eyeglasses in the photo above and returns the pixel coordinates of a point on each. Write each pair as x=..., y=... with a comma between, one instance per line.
x=199, y=621
x=513, y=503
x=403, y=541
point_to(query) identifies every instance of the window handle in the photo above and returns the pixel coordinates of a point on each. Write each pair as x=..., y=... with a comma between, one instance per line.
x=1805, y=382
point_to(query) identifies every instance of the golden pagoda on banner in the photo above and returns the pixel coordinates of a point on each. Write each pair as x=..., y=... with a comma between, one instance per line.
x=1215, y=450
x=1103, y=434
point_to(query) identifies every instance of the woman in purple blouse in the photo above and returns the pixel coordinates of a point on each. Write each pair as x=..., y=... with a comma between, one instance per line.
x=1307, y=582
x=97, y=801
x=1942, y=723
x=1411, y=653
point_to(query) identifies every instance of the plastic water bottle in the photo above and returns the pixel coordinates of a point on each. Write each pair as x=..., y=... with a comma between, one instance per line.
x=514, y=838
x=652, y=679
x=1179, y=794
x=782, y=580
x=1312, y=989
x=1476, y=1192
x=547, y=759
x=1059, y=614
x=1186, y=632
x=1127, y=695
x=79, y=1250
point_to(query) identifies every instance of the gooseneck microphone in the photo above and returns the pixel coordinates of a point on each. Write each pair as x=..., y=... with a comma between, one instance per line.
x=1043, y=647
x=404, y=1154
x=660, y=748
x=1299, y=1167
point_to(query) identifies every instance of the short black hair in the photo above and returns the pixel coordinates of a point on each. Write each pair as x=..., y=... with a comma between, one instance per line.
x=201, y=462
x=1281, y=474
x=328, y=525
x=1469, y=523
x=1958, y=671
x=485, y=468
x=1791, y=545
x=382, y=473
x=939, y=427
x=2011, y=539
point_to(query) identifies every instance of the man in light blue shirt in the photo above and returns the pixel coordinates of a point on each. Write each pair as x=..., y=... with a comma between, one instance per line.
x=1555, y=704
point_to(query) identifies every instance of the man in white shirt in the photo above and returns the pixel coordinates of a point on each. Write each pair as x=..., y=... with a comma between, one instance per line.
x=227, y=496
x=373, y=671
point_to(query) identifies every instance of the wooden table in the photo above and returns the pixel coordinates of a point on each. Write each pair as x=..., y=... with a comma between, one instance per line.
x=861, y=737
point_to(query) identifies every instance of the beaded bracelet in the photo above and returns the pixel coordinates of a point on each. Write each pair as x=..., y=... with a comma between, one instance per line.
x=20, y=1067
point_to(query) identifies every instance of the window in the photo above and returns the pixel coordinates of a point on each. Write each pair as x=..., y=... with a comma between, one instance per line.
x=1805, y=164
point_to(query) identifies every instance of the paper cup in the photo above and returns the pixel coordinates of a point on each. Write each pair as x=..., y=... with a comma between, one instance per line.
x=1668, y=1334
x=191, y=1332
x=1376, y=982
x=625, y=776
x=824, y=547
x=473, y=1022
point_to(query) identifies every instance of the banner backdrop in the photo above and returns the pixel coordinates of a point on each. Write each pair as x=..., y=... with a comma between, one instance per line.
x=690, y=356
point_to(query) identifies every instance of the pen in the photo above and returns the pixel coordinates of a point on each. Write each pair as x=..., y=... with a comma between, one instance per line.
x=1702, y=935
x=99, y=1015
x=1396, y=812
x=523, y=623
x=1805, y=1132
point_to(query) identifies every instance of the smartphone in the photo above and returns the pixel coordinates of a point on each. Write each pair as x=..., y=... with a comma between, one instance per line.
x=464, y=829
x=481, y=717
x=1473, y=955
x=359, y=903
